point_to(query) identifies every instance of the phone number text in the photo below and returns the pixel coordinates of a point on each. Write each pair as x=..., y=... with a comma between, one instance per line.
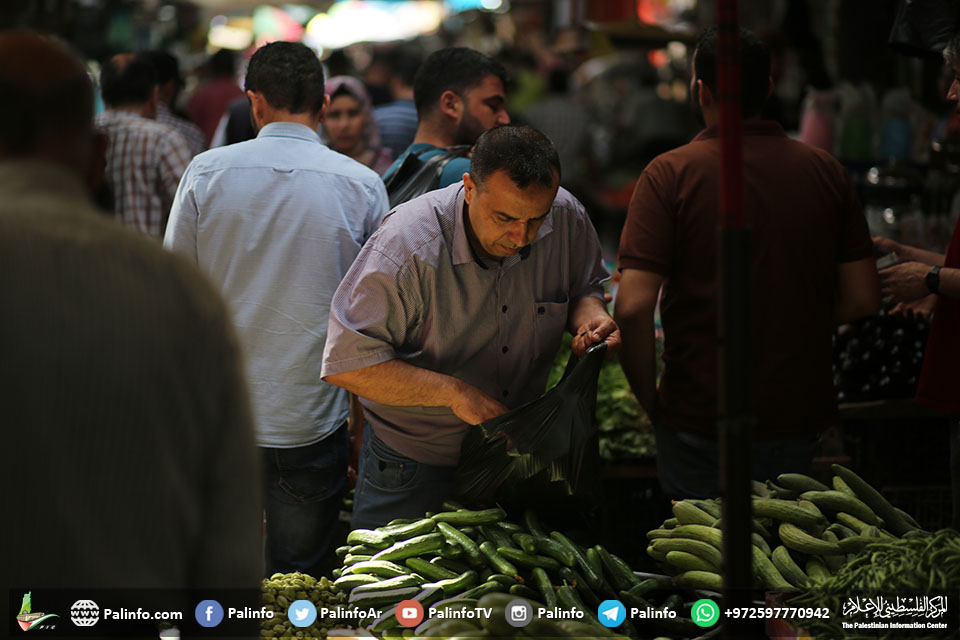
x=776, y=613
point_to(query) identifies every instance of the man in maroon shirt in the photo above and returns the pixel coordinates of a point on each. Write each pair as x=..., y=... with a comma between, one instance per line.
x=812, y=266
x=210, y=100
x=921, y=274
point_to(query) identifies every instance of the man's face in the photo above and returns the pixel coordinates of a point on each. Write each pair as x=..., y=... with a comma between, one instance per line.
x=953, y=93
x=484, y=107
x=503, y=217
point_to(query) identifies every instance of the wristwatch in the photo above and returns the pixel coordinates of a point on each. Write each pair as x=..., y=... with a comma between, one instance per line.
x=932, y=280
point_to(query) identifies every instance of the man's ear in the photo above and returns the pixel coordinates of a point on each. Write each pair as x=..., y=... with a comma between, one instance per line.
x=469, y=188
x=705, y=96
x=257, y=104
x=326, y=105
x=451, y=105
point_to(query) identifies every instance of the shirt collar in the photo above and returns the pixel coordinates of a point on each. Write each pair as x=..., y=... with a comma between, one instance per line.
x=463, y=251
x=289, y=130
x=748, y=127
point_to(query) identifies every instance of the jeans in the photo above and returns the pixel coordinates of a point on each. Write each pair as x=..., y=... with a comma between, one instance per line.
x=688, y=464
x=303, y=490
x=391, y=485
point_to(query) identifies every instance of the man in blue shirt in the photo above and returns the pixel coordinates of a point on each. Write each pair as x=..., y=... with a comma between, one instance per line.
x=459, y=94
x=276, y=222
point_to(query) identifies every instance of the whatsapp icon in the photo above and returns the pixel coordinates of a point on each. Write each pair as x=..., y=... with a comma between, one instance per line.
x=705, y=613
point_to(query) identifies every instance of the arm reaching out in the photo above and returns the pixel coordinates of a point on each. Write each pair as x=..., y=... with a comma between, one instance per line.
x=403, y=385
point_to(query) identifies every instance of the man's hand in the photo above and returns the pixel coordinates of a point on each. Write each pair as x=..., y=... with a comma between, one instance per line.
x=597, y=329
x=904, y=282
x=886, y=245
x=474, y=406
x=922, y=307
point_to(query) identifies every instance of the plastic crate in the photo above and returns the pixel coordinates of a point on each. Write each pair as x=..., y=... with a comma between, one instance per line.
x=930, y=505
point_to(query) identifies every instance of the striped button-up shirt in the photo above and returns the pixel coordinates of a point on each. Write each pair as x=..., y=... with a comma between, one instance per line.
x=145, y=160
x=418, y=292
x=276, y=222
x=191, y=133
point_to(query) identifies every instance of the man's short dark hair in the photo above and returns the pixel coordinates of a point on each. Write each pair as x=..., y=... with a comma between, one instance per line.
x=404, y=62
x=754, y=68
x=166, y=65
x=524, y=153
x=223, y=63
x=127, y=80
x=37, y=104
x=951, y=53
x=456, y=69
x=289, y=75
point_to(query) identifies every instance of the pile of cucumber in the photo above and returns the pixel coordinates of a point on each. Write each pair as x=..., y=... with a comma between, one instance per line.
x=803, y=531
x=459, y=558
x=282, y=589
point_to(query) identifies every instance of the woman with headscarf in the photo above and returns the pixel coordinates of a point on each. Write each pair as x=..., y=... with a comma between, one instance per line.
x=350, y=126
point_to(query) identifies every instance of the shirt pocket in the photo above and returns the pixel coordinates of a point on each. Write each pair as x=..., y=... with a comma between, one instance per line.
x=549, y=322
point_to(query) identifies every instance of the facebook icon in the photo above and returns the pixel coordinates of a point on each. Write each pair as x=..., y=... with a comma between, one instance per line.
x=209, y=613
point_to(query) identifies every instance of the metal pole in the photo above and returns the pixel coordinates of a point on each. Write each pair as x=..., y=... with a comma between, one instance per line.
x=734, y=332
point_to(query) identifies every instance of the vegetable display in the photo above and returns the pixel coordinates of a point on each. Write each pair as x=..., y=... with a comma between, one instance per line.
x=282, y=589
x=803, y=532
x=461, y=560
x=918, y=565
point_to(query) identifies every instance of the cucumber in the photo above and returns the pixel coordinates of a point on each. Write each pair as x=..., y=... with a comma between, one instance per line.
x=586, y=569
x=816, y=570
x=452, y=505
x=481, y=590
x=654, y=534
x=509, y=527
x=788, y=568
x=529, y=559
x=525, y=541
x=503, y=580
x=497, y=561
x=699, y=580
x=838, y=501
x=545, y=586
x=457, y=585
x=840, y=485
x=767, y=573
x=352, y=559
x=470, y=518
x=376, y=539
x=895, y=523
x=349, y=581
x=451, y=564
x=381, y=568
x=496, y=535
x=688, y=562
x=451, y=629
x=398, y=521
x=456, y=537
x=524, y=591
x=786, y=511
x=343, y=551
x=699, y=532
x=362, y=550
x=409, y=529
x=448, y=550
x=410, y=580
x=620, y=575
x=543, y=628
x=557, y=551
x=411, y=547
x=577, y=582
x=378, y=599
x=429, y=570
x=851, y=522
x=699, y=548
x=532, y=523
x=688, y=513
x=800, y=482
x=799, y=540
x=645, y=587
x=712, y=508
x=634, y=601
x=674, y=602
x=567, y=597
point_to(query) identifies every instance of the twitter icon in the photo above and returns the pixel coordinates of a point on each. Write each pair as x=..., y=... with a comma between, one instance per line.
x=302, y=613
x=611, y=613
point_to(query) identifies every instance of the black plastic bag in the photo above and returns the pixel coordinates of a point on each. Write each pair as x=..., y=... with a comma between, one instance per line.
x=923, y=27
x=414, y=177
x=544, y=454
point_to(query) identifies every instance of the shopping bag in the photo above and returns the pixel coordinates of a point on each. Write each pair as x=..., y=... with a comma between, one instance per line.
x=544, y=453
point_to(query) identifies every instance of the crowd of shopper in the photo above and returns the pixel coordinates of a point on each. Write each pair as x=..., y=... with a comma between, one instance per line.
x=440, y=307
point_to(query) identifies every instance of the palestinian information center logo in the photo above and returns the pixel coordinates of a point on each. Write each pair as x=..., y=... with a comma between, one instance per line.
x=85, y=613
x=29, y=619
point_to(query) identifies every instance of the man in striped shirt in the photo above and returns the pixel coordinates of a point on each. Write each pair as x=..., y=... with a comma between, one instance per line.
x=145, y=158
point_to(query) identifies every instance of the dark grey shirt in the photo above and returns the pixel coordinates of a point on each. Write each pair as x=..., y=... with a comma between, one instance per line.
x=419, y=293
